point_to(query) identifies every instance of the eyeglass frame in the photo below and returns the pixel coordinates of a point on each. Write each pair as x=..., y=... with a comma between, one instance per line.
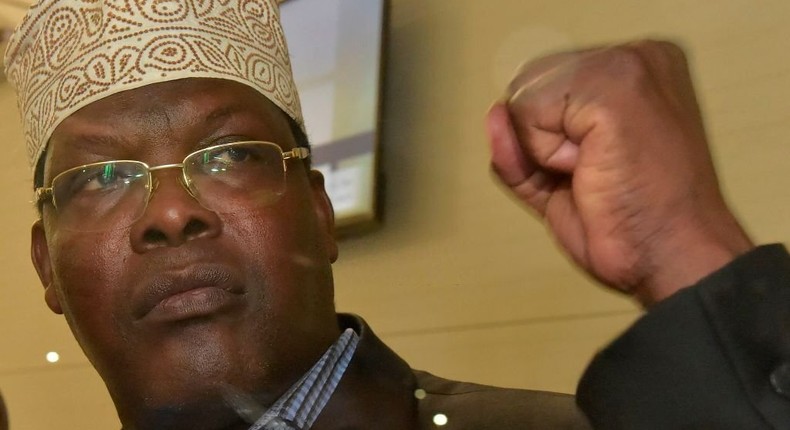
x=45, y=194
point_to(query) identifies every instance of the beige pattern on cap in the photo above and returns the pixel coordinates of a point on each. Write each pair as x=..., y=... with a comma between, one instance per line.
x=69, y=53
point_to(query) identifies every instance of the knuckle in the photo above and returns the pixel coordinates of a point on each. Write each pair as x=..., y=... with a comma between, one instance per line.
x=671, y=49
x=538, y=71
x=662, y=53
x=629, y=59
x=628, y=66
x=525, y=102
x=605, y=115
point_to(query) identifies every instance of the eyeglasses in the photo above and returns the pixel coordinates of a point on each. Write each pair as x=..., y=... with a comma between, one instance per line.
x=223, y=178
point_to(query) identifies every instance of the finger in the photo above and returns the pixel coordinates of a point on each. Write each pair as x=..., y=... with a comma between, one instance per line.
x=507, y=156
x=514, y=169
x=538, y=115
x=538, y=99
x=533, y=72
x=563, y=219
x=564, y=157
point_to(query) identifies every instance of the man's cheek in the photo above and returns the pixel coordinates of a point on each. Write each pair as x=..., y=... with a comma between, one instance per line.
x=91, y=253
x=87, y=273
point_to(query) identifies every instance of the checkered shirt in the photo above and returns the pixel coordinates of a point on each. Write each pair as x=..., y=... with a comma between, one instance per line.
x=299, y=407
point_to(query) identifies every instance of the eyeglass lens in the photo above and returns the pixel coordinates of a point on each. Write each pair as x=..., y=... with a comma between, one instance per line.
x=225, y=178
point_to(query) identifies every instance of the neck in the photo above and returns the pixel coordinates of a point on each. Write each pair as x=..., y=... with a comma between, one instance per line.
x=376, y=376
x=218, y=405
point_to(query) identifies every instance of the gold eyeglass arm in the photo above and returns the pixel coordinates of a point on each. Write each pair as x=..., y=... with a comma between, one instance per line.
x=300, y=153
x=42, y=194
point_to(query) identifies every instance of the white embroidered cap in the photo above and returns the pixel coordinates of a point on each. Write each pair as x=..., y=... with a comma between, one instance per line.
x=67, y=54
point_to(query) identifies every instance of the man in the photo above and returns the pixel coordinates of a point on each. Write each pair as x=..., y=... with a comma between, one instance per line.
x=196, y=272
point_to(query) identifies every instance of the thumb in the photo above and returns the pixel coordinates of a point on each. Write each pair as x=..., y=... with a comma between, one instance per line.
x=526, y=180
x=507, y=157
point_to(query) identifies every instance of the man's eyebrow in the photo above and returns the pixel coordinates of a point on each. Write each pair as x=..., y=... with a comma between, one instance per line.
x=222, y=112
x=94, y=142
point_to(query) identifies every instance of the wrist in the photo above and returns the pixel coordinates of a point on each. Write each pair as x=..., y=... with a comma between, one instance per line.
x=693, y=250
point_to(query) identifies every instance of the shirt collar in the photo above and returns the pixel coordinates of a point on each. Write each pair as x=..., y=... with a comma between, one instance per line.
x=299, y=407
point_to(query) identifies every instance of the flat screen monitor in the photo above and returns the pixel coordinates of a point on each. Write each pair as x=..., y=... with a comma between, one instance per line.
x=336, y=55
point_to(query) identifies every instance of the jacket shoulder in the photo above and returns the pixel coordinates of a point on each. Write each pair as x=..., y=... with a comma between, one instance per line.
x=481, y=407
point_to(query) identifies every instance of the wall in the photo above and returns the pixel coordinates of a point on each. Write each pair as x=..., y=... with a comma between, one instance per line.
x=459, y=280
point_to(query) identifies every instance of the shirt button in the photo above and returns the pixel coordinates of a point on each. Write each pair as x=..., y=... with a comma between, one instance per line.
x=780, y=379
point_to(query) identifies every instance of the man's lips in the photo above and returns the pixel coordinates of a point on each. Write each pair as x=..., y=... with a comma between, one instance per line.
x=196, y=291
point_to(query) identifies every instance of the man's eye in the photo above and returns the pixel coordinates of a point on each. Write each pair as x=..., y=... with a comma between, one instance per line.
x=224, y=159
x=103, y=178
x=232, y=155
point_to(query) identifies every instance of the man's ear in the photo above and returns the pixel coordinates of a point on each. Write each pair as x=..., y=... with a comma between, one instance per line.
x=39, y=252
x=326, y=214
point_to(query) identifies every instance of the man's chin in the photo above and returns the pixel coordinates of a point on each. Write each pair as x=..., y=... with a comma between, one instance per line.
x=200, y=404
x=196, y=376
x=209, y=412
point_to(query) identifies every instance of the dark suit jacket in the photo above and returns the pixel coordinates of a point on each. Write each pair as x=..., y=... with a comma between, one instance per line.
x=479, y=407
x=714, y=356
x=466, y=406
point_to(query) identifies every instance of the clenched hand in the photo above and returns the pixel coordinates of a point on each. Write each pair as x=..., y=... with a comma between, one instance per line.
x=608, y=146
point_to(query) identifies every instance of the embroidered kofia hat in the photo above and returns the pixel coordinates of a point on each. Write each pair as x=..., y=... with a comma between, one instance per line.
x=67, y=54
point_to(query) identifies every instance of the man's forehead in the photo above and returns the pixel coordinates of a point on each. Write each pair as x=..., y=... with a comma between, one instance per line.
x=205, y=99
x=195, y=107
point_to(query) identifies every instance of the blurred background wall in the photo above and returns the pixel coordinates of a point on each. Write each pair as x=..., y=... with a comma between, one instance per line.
x=459, y=280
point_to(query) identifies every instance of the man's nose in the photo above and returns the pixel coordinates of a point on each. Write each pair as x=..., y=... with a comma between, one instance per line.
x=173, y=216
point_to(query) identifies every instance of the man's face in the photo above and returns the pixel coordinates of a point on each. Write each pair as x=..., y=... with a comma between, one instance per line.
x=187, y=303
